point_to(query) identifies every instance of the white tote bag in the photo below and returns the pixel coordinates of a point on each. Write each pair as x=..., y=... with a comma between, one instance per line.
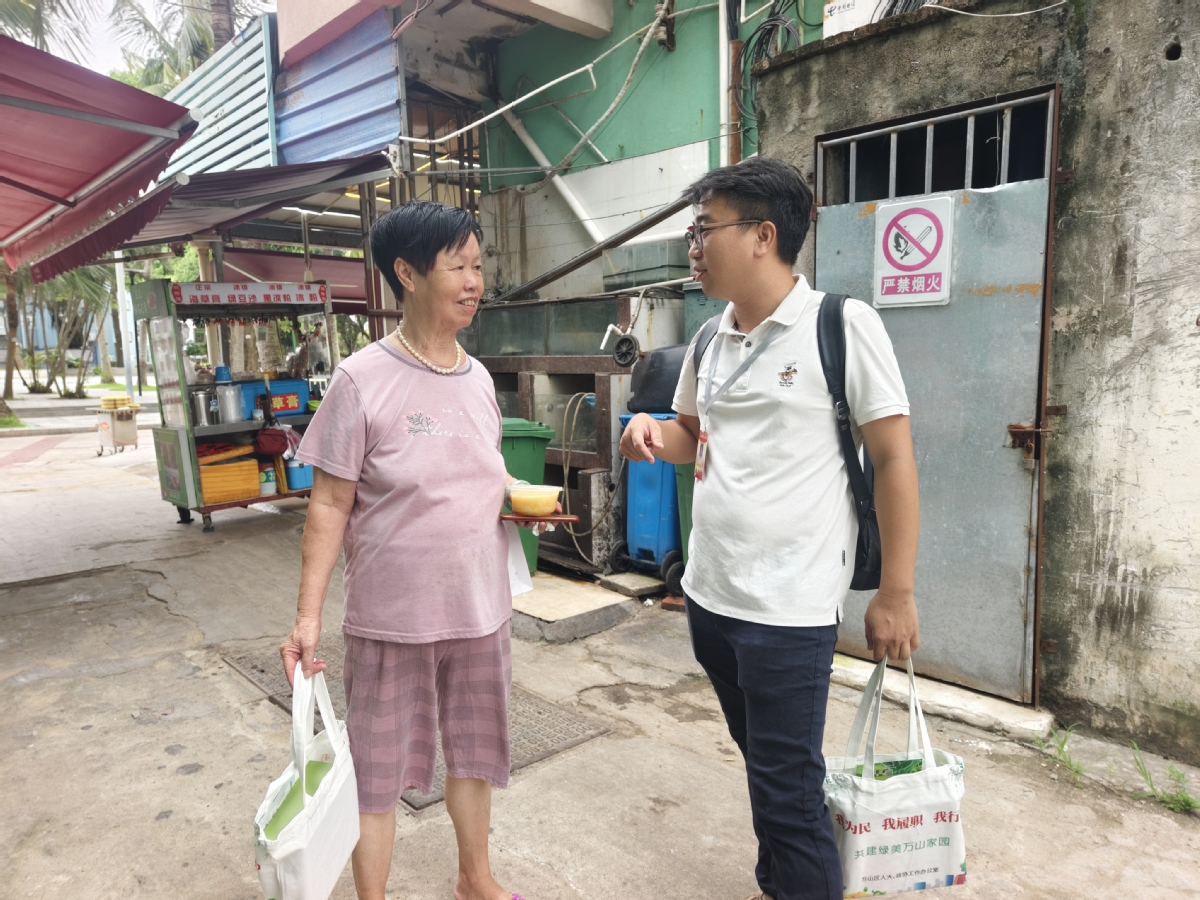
x=306, y=858
x=896, y=816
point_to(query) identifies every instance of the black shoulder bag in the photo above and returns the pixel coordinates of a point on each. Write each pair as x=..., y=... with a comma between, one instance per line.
x=831, y=344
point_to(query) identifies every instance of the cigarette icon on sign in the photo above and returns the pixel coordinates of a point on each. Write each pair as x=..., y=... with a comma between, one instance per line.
x=903, y=246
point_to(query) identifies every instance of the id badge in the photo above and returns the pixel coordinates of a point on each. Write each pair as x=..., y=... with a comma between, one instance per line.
x=701, y=454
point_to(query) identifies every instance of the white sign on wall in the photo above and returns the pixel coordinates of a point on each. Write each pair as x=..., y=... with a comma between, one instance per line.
x=913, y=242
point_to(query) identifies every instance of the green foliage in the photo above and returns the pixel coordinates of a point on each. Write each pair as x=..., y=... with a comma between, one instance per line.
x=184, y=268
x=1177, y=799
x=1057, y=745
x=10, y=420
x=59, y=26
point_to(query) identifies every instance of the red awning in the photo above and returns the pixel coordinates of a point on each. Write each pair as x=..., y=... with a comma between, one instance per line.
x=75, y=147
x=345, y=276
x=205, y=204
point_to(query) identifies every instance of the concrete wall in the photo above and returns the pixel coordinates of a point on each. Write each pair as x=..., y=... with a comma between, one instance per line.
x=1121, y=595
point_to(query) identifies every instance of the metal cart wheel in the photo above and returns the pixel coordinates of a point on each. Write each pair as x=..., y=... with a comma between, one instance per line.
x=100, y=452
x=121, y=448
x=674, y=580
x=620, y=560
x=669, y=560
x=625, y=351
x=208, y=525
x=185, y=515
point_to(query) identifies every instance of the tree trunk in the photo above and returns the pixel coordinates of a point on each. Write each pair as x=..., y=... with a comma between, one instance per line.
x=222, y=22
x=106, y=372
x=118, y=338
x=12, y=321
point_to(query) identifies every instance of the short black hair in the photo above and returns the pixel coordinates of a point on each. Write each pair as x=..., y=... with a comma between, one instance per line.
x=762, y=188
x=416, y=232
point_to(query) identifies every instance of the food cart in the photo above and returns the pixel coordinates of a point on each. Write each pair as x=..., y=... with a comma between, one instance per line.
x=207, y=458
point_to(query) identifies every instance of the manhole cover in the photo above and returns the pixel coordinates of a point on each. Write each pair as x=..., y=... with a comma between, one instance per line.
x=537, y=728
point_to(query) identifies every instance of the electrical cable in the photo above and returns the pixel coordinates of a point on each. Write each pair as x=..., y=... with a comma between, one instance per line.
x=403, y=24
x=660, y=13
x=936, y=5
x=569, y=439
x=771, y=36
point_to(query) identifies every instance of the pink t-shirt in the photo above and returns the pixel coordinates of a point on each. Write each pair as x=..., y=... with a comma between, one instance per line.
x=426, y=553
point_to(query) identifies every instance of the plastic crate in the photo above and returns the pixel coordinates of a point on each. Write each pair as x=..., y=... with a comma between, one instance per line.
x=229, y=481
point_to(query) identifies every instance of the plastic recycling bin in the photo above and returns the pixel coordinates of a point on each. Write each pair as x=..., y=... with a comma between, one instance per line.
x=524, y=447
x=651, y=519
x=685, y=481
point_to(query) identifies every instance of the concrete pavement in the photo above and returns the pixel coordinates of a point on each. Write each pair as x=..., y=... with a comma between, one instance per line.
x=134, y=757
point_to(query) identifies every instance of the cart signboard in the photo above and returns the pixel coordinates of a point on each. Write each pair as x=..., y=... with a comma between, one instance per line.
x=175, y=476
x=257, y=293
x=149, y=299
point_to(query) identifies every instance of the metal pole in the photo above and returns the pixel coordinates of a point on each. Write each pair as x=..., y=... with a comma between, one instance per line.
x=125, y=311
x=929, y=159
x=970, y=164
x=892, y=166
x=853, y=170
x=594, y=252
x=1004, y=146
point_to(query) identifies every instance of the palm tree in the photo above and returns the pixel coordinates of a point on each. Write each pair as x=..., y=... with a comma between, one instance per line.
x=59, y=26
x=163, y=50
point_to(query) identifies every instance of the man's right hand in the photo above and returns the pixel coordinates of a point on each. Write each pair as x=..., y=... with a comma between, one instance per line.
x=300, y=646
x=642, y=439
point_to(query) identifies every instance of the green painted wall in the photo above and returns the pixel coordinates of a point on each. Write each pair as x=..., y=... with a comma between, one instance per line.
x=671, y=101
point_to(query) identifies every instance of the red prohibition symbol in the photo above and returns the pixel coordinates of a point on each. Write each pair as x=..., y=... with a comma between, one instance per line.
x=899, y=242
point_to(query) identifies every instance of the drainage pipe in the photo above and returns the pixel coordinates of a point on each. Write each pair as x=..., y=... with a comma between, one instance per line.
x=561, y=186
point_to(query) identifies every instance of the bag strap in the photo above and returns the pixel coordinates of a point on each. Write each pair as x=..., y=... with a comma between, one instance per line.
x=704, y=337
x=309, y=694
x=831, y=344
x=871, y=708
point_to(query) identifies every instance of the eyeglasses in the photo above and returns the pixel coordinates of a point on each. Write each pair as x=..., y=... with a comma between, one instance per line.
x=695, y=233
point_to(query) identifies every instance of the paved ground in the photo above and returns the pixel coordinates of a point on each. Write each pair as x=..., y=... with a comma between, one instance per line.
x=133, y=758
x=49, y=414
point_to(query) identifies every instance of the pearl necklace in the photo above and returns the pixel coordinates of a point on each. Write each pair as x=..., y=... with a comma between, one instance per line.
x=441, y=370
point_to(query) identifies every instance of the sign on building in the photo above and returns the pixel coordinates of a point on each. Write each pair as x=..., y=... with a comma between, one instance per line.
x=913, y=252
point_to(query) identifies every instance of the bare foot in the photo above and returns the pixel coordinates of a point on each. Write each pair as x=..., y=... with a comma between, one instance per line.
x=472, y=890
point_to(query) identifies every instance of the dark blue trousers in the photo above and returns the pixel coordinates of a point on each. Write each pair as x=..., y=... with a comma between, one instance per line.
x=773, y=684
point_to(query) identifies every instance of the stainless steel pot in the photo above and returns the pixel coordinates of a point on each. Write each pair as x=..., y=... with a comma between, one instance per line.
x=202, y=402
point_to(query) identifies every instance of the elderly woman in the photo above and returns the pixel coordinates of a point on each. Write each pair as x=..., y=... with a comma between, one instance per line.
x=409, y=478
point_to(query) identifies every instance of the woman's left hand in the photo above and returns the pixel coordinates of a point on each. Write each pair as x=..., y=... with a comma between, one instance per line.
x=538, y=527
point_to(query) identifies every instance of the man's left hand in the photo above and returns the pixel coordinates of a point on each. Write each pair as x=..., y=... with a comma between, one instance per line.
x=891, y=625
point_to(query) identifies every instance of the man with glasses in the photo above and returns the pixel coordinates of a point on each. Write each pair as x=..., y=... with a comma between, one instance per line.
x=774, y=529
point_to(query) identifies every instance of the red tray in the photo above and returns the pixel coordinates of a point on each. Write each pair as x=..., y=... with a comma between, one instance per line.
x=510, y=517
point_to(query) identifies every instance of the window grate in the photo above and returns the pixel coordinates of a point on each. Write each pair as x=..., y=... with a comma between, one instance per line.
x=987, y=145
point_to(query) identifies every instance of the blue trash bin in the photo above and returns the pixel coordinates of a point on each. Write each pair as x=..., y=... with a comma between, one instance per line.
x=652, y=512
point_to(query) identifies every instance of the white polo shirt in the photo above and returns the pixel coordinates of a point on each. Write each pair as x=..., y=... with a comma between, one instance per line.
x=773, y=524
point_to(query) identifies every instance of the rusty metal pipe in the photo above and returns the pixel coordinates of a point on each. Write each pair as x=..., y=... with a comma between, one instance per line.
x=594, y=252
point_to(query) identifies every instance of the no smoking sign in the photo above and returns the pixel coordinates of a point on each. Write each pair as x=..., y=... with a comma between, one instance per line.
x=912, y=252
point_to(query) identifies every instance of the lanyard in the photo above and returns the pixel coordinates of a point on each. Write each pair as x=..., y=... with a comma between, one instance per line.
x=709, y=397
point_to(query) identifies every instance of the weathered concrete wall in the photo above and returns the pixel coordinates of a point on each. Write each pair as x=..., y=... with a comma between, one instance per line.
x=1121, y=592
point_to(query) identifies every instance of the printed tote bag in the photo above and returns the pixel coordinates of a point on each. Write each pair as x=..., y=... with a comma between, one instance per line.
x=896, y=816
x=307, y=825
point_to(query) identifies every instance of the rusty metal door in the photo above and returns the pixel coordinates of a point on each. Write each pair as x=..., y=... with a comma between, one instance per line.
x=971, y=368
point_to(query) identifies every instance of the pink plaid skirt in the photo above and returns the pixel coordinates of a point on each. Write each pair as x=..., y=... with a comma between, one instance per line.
x=399, y=695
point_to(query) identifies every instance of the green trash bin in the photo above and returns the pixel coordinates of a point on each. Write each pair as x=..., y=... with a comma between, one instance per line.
x=685, y=480
x=524, y=447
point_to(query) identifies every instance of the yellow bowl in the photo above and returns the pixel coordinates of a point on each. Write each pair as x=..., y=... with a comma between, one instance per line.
x=534, y=499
